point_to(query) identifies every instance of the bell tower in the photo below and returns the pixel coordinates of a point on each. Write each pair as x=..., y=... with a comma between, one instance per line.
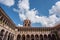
x=27, y=23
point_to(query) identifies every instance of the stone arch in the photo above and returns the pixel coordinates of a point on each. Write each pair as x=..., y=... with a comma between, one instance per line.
x=27, y=37
x=23, y=37
x=36, y=37
x=41, y=37
x=5, y=36
x=18, y=37
x=53, y=37
x=45, y=37
x=32, y=37
x=2, y=34
x=49, y=36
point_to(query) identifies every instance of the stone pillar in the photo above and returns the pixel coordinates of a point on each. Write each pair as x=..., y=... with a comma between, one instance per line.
x=5, y=36
x=0, y=19
x=3, y=21
x=2, y=34
x=8, y=37
x=15, y=37
x=12, y=36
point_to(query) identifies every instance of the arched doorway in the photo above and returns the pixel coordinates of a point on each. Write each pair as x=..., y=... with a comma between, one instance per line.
x=41, y=37
x=45, y=37
x=1, y=34
x=32, y=37
x=18, y=37
x=53, y=37
x=23, y=37
x=49, y=37
x=27, y=37
x=36, y=37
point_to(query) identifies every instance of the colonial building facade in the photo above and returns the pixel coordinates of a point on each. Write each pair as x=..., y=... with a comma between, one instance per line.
x=9, y=31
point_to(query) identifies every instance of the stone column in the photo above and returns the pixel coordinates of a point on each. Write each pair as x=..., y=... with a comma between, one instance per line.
x=5, y=36
x=0, y=18
x=15, y=37
x=12, y=37
x=2, y=34
x=8, y=36
x=3, y=22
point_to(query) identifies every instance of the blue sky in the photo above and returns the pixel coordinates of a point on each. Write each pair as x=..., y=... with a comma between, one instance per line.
x=40, y=12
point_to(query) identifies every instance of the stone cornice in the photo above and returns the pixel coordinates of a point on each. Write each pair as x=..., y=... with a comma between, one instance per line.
x=6, y=16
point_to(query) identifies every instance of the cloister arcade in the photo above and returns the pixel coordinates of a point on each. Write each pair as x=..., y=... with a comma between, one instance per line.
x=5, y=35
x=9, y=31
x=36, y=37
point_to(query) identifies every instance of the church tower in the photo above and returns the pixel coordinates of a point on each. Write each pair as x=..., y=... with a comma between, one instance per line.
x=27, y=23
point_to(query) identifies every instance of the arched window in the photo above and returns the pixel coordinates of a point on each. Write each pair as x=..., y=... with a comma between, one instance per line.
x=53, y=37
x=41, y=37
x=32, y=37
x=45, y=37
x=36, y=37
x=18, y=37
x=27, y=37
x=23, y=37
x=25, y=25
x=2, y=32
x=49, y=37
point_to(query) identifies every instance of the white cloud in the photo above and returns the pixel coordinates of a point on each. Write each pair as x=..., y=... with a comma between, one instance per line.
x=55, y=9
x=20, y=25
x=7, y=2
x=32, y=14
x=22, y=16
x=23, y=4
